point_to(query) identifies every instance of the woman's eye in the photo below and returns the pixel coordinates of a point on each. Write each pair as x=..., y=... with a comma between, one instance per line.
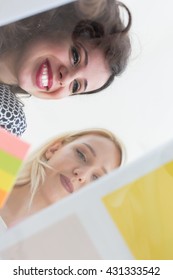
x=81, y=155
x=94, y=177
x=75, y=56
x=76, y=86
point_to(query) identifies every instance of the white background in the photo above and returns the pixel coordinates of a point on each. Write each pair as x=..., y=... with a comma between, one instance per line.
x=138, y=107
x=165, y=268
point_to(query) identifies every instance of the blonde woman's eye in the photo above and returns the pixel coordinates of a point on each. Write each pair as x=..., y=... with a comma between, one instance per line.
x=76, y=86
x=81, y=155
x=75, y=56
x=94, y=177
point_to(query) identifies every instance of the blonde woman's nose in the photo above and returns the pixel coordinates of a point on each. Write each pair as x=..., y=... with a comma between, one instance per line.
x=80, y=175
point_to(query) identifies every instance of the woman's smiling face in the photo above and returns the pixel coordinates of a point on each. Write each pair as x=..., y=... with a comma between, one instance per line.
x=78, y=163
x=53, y=70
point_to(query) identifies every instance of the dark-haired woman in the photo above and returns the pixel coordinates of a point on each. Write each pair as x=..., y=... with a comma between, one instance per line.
x=36, y=57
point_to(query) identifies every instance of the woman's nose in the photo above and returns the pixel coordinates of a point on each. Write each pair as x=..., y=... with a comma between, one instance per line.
x=81, y=176
x=66, y=75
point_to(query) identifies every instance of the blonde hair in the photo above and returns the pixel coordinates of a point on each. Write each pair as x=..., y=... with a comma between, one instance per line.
x=33, y=171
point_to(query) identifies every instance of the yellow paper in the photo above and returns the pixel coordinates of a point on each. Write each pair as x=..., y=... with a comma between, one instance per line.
x=143, y=212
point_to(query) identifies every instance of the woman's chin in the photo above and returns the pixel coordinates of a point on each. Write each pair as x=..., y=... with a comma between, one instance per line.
x=38, y=93
x=45, y=95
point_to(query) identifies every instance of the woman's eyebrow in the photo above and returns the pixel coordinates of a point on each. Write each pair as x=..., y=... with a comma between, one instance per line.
x=90, y=148
x=85, y=54
x=85, y=84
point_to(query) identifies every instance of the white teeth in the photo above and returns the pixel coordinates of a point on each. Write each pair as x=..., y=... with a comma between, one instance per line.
x=45, y=78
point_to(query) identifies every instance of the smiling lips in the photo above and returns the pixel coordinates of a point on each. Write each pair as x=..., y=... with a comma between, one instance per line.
x=66, y=183
x=44, y=76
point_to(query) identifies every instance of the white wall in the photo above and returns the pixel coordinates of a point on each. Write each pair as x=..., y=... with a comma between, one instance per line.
x=138, y=106
x=17, y=9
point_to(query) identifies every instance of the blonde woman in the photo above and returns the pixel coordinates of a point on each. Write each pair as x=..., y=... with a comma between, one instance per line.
x=60, y=167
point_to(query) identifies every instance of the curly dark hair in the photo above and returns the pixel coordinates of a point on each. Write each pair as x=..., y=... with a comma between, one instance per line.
x=106, y=32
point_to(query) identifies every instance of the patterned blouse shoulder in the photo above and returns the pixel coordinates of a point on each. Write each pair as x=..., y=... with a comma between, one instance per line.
x=12, y=116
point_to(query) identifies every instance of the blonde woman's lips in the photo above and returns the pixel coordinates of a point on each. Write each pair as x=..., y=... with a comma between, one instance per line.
x=65, y=181
x=44, y=76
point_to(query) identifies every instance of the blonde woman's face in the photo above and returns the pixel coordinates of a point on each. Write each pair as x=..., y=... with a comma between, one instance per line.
x=53, y=70
x=77, y=164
